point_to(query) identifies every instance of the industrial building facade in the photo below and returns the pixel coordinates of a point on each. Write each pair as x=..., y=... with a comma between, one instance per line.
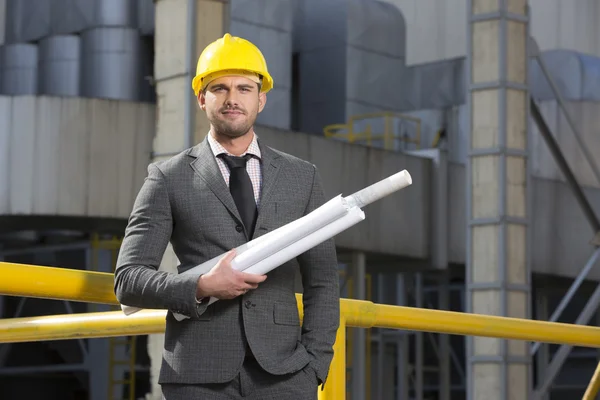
x=456, y=92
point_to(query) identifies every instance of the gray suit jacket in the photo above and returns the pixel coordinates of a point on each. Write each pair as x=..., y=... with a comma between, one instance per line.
x=186, y=201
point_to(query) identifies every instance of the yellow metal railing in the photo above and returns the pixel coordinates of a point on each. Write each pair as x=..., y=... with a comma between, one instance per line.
x=35, y=281
x=351, y=134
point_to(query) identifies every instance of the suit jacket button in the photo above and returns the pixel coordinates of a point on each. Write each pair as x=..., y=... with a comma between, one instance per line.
x=239, y=228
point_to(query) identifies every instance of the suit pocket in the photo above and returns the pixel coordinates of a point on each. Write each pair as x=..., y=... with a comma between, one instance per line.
x=286, y=314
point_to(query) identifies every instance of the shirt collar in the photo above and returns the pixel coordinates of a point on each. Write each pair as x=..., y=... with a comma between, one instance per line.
x=217, y=149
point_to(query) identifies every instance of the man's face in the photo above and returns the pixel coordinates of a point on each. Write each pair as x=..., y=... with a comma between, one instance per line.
x=232, y=104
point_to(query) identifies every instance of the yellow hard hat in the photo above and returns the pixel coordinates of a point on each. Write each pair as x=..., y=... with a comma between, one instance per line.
x=231, y=55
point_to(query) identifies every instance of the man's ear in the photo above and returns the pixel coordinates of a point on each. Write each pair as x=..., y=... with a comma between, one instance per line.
x=262, y=100
x=202, y=100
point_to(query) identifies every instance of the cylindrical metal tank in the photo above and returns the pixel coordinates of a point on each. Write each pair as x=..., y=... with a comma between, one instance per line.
x=18, y=69
x=71, y=16
x=110, y=65
x=27, y=21
x=59, y=65
x=115, y=13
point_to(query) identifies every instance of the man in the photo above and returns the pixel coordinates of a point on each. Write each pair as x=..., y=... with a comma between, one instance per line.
x=209, y=199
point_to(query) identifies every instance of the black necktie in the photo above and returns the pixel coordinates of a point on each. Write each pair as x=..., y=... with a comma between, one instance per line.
x=241, y=190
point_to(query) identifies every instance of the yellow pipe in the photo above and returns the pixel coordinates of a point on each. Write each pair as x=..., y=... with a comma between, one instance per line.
x=367, y=315
x=79, y=326
x=357, y=313
x=594, y=386
x=56, y=283
x=97, y=287
x=335, y=386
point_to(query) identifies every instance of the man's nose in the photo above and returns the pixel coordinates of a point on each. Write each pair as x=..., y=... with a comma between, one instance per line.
x=232, y=98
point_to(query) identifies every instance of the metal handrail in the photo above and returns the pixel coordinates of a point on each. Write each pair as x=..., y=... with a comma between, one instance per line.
x=87, y=286
x=349, y=133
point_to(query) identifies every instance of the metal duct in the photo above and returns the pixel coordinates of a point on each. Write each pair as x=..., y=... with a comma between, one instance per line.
x=350, y=59
x=27, y=20
x=268, y=24
x=71, y=16
x=111, y=63
x=18, y=69
x=59, y=65
x=146, y=16
x=115, y=13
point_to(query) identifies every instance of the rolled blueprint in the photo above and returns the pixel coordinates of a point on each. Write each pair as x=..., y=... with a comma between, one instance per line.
x=273, y=249
x=268, y=264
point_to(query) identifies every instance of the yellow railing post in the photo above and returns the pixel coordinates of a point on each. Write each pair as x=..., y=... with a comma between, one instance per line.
x=594, y=386
x=335, y=386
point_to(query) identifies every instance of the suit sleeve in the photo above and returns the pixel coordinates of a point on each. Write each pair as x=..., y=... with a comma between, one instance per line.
x=138, y=283
x=320, y=280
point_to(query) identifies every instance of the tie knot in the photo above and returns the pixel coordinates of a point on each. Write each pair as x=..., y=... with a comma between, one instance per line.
x=236, y=162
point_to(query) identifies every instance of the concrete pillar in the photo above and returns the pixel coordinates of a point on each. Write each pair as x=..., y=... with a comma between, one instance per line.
x=498, y=199
x=182, y=29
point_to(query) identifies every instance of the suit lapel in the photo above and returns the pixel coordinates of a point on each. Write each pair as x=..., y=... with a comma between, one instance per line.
x=206, y=167
x=270, y=170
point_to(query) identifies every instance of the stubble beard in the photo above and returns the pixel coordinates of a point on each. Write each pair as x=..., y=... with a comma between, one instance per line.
x=230, y=130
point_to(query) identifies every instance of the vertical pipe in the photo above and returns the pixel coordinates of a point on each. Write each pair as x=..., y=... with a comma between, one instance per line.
x=594, y=386
x=381, y=345
x=419, y=340
x=335, y=386
x=401, y=345
x=359, y=342
x=543, y=355
x=190, y=61
x=444, y=341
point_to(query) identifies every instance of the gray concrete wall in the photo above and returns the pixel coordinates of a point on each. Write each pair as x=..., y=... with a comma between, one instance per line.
x=394, y=225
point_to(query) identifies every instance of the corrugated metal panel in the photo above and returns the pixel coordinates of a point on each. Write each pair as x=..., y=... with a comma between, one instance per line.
x=59, y=65
x=125, y=147
x=22, y=154
x=18, y=69
x=111, y=63
x=46, y=164
x=74, y=170
x=72, y=157
x=104, y=139
x=5, y=131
